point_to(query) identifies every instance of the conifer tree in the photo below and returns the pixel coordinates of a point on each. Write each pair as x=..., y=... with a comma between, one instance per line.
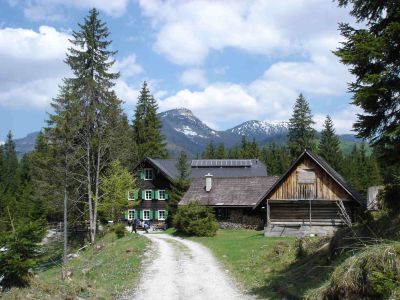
x=372, y=54
x=253, y=150
x=147, y=127
x=220, y=152
x=180, y=184
x=90, y=61
x=209, y=152
x=329, y=145
x=301, y=134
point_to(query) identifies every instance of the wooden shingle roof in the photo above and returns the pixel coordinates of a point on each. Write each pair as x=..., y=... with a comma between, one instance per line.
x=229, y=191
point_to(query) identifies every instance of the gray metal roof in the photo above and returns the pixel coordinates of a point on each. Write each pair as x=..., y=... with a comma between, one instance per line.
x=248, y=167
x=229, y=191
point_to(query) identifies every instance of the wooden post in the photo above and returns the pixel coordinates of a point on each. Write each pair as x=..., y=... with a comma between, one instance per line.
x=268, y=213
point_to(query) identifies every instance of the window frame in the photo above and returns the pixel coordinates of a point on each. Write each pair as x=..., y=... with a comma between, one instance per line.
x=144, y=213
x=145, y=195
x=133, y=216
x=164, y=213
x=145, y=173
x=129, y=198
x=159, y=195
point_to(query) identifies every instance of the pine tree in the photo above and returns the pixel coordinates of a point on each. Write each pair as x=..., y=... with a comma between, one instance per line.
x=90, y=61
x=180, y=185
x=244, y=148
x=373, y=55
x=253, y=150
x=209, y=152
x=301, y=134
x=220, y=152
x=329, y=145
x=10, y=165
x=147, y=127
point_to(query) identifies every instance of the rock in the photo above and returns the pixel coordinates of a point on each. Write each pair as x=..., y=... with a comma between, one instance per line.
x=85, y=271
x=66, y=274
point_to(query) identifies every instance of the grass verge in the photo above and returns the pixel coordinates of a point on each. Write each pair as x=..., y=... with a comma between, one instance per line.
x=102, y=271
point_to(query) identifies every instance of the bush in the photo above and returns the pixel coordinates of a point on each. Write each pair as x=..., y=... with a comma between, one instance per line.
x=119, y=230
x=195, y=219
x=372, y=273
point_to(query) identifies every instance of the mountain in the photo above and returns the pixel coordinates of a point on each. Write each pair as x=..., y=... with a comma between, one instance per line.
x=26, y=144
x=182, y=129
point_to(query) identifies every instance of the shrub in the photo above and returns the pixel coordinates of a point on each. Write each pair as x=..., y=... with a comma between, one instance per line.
x=195, y=219
x=372, y=273
x=119, y=230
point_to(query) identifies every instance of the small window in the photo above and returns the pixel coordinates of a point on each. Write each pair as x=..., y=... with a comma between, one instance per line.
x=131, y=214
x=146, y=215
x=147, y=195
x=161, y=214
x=148, y=174
x=161, y=195
x=131, y=195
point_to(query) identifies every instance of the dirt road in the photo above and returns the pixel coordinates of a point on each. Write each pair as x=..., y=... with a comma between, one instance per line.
x=182, y=269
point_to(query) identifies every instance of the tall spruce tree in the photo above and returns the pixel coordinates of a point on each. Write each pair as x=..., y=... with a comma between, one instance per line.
x=209, y=152
x=220, y=152
x=372, y=53
x=329, y=145
x=91, y=60
x=301, y=132
x=147, y=127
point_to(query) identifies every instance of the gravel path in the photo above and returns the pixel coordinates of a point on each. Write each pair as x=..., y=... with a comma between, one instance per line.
x=182, y=269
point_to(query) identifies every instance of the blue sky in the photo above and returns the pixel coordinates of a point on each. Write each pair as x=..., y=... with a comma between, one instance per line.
x=227, y=61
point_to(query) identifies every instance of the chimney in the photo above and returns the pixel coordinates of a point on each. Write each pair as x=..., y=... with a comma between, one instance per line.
x=208, y=182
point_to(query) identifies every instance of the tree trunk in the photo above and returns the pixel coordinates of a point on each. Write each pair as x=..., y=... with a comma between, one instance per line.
x=65, y=252
x=92, y=225
x=97, y=186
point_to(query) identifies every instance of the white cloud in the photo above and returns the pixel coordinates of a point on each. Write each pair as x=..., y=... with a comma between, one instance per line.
x=31, y=65
x=188, y=30
x=216, y=104
x=127, y=66
x=342, y=120
x=194, y=77
x=54, y=9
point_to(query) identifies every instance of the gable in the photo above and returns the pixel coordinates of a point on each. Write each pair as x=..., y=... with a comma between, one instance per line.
x=308, y=179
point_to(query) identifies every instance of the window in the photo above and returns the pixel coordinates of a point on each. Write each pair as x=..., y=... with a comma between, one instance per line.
x=161, y=195
x=306, y=180
x=131, y=214
x=148, y=174
x=161, y=214
x=148, y=195
x=146, y=215
x=131, y=195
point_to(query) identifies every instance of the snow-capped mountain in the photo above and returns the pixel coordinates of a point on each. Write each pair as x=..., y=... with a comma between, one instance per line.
x=183, y=129
x=260, y=130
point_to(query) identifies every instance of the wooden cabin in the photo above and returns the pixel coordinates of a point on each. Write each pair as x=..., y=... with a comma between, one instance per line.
x=310, y=198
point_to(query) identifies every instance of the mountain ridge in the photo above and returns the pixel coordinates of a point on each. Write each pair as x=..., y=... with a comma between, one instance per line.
x=182, y=129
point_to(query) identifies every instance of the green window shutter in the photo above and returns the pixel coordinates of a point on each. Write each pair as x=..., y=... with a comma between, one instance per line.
x=156, y=217
x=166, y=214
x=141, y=215
x=156, y=194
x=166, y=195
x=151, y=215
x=141, y=174
x=136, y=195
x=152, y=195
x=143, y=195
x=136, y=214
x=126, y=215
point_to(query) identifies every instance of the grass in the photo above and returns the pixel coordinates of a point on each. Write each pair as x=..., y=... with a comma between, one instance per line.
x=250, y=257
x=102, y=271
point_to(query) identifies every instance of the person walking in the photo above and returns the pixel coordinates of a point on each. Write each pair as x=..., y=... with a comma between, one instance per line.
x=134, y=223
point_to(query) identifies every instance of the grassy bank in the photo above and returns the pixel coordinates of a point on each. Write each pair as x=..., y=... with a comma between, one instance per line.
x=101, y=271
x=250, y=257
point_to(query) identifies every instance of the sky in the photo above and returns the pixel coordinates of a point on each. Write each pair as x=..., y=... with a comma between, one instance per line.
x=227, y=61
